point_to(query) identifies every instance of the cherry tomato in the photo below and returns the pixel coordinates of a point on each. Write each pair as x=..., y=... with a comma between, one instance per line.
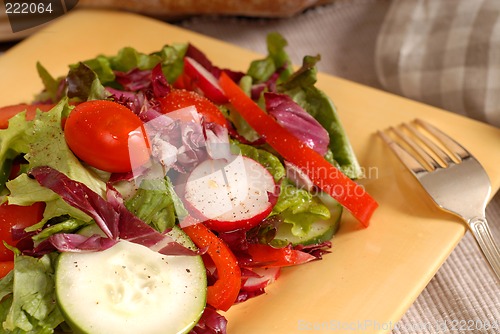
x=6, y=267
x=180, y=98
x=107, y=135
x=8, y=112
x=16, y=217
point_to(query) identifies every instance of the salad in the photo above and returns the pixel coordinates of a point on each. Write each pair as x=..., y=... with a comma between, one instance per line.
x=149, y=193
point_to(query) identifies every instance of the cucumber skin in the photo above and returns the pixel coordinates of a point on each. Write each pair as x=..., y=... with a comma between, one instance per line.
x=328, y=235
x=336, y=210
x=176, y=233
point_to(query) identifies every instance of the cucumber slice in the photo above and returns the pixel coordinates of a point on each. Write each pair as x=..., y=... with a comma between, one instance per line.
x=129, y=288
x=321, y=230
x=91, y=230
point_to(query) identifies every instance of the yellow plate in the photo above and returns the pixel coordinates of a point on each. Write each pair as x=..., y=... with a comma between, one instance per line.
x=372, y=275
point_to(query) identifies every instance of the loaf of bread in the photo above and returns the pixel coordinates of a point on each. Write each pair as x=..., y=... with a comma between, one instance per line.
x=179, y=8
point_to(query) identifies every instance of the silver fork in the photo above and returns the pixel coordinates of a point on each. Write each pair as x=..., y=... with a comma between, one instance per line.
x=453, y=178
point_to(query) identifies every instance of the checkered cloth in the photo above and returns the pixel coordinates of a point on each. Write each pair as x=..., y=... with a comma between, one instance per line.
x=444, y=53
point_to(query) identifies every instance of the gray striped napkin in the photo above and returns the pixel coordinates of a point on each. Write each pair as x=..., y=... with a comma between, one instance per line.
x=444, y=53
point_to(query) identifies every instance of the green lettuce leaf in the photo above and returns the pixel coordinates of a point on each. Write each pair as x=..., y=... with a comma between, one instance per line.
x=13, y=142
x=277, y=59
x=6, y=285
x=84, y=84
x=265, y=158
x=102, y=67
x=300, y=87
x=299, y=208
x=48, y=148
x=30, y=307
x=172, y=57
x=86, y=80
x=50, y=83
x=61, y=224
x=127, y=59
x=153, y=204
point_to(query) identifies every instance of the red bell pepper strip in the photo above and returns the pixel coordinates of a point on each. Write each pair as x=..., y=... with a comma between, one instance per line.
x=267, y=256
x=323, y=174
x=223, y=293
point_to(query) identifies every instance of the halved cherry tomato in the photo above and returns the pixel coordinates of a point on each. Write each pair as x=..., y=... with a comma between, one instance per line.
x=223, y=293
x=107, y=135
x=8, y=112
x=6, y=267
x=267, y=256
x=180, y=98
x=16, y=217
x=322, y=173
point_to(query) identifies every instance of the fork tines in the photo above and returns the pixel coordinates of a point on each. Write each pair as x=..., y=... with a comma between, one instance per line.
x=452, y=177
x=422, y=147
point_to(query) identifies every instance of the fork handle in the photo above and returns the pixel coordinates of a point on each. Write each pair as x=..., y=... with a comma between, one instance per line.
x=481, y=231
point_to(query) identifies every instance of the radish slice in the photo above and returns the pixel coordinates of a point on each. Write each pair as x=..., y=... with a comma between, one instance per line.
x=204, y=80
x=230, y=194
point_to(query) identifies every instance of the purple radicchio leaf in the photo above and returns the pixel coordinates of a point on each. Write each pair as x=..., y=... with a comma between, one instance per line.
x=110, y=214
x=193, y=148
x=134, y=80
x=178, y=139
x=217, y=141
x=159, y=82
x=255, y=283
x=125, y=176
x=81, y=197
x=143, y=105
x=246, y=295
x=269, y=85
x=142, y=98
x=25, y=242
x=210, y=322
x=150, y=109
x=123, y=95
x=298, y=121
x=19, y=233
x=236, y=240
x=67, y=242
x=202, y=59
x=44, y=247
x=133, y=229
x=142, y=80
x=316, y=250
x=298, y=177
